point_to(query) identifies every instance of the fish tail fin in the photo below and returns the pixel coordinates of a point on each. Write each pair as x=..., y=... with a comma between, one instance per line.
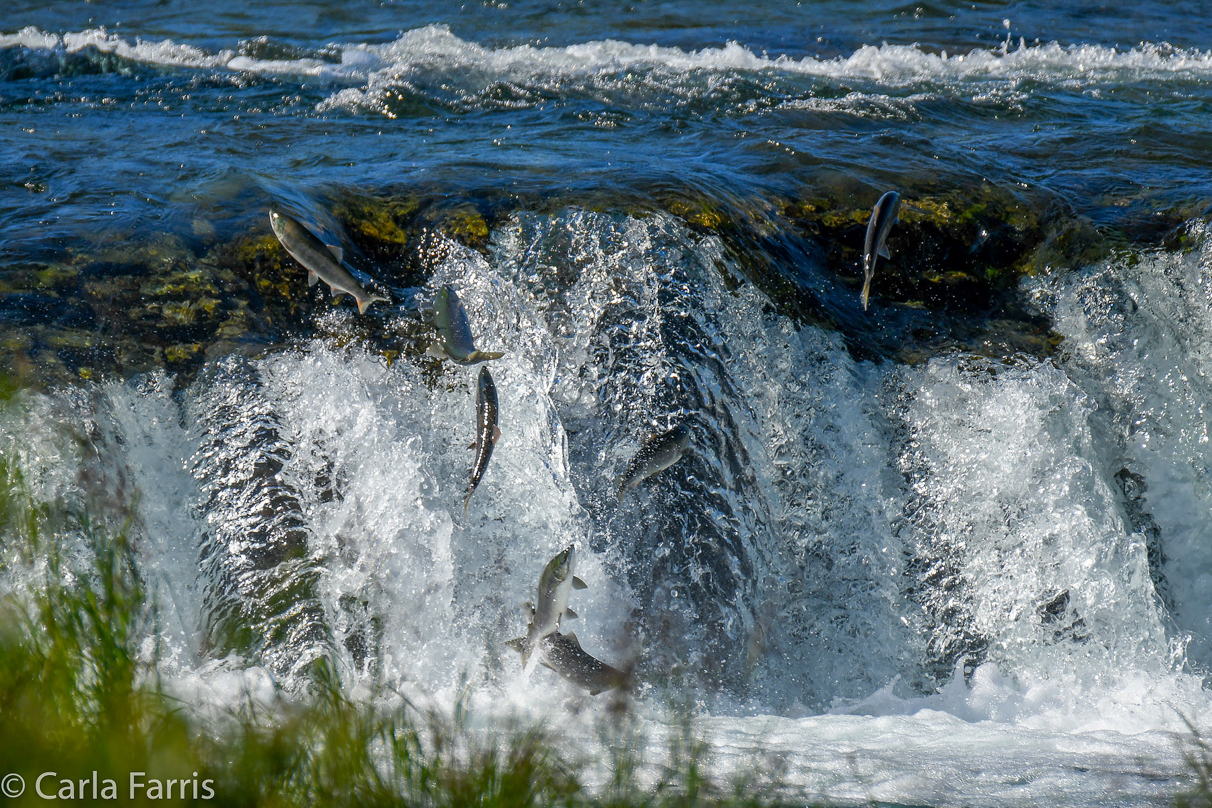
x=866, y=292
x=484, y=356
x=364, y=302
x=524, y=648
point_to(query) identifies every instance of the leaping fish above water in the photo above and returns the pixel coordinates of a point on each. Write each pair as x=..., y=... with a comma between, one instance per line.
x=454, y=332
x=563, y=654
x=322, y=261
x=487, y=432
x=883, y=216
x=656, y=455
x=551, y=603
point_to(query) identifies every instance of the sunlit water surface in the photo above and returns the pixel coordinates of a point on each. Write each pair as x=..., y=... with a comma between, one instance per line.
x=967, y=581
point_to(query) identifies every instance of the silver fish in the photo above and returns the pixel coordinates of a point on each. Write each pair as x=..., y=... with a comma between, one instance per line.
x=555, y=585
x=883, y=216
x=563, y=654
x=322, y=261
x=656, y=455
x=454, y=332
x=487, y=432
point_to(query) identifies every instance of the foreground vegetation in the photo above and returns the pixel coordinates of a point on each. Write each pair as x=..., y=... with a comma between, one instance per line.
x=80, y=694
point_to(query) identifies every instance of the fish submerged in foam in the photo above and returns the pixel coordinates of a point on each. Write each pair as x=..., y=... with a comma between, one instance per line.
x=656, y=455
x=322, y=261
x=487, y=431
x=563, y=654
x=454, y=332
x=551, y=602
x=883, y=216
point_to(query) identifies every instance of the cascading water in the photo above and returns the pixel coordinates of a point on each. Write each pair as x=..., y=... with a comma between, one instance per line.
x=948, y=549
x=994, y=553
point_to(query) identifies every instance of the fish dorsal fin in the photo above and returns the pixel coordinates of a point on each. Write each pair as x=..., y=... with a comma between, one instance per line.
x=471, y=445
x=312, y=278
x=337, y=252
x=570, y=614
x=573, y=638
x=516, y=644
x=577, y=583
x=496, y=433
x=883, y=252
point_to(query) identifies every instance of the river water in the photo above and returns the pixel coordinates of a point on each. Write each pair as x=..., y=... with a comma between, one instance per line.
x=953, y=550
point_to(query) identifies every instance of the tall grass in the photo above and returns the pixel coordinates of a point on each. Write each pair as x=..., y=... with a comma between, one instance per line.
x=1197, y=754
x=80, y=692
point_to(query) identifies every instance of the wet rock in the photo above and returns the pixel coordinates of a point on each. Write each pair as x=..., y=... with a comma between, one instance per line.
x=1059, y=616
x=377, y=226
x=25, y=309
x=962, y=249
x=175, y=301
x=389, y=230
x=272, y=282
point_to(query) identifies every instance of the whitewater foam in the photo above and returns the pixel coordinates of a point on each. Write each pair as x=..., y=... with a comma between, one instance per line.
x=1138, y=330
x=833, y=523
x=413, y=61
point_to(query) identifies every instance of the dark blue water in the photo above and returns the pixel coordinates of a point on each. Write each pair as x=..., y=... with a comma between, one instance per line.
x=1102, y=108
x=661, y=208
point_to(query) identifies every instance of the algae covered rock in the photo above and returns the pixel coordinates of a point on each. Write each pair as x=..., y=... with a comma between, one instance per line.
x=88, y=311
x=388, y=228
x=960, y=249
x=377, y=226
x=957, y=257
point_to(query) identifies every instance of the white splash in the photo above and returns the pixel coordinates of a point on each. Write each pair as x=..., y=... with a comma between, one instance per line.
x=890, y=520
x=382, y=71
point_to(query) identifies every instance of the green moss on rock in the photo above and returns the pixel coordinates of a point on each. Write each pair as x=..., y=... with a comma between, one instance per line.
x=466, y=224
x=377, y=225
x=960, y=248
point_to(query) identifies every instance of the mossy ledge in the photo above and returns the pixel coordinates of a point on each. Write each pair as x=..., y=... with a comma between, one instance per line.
x=87, y=312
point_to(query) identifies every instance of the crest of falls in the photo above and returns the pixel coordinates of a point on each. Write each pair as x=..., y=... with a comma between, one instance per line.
x=1016, y=540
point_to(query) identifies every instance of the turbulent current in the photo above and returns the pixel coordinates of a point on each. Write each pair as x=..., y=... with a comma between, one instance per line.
x=999, y=555
x=951, y=550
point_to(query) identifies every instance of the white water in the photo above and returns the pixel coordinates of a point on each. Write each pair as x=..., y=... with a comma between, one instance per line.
x=434, y=61
x=913, y=584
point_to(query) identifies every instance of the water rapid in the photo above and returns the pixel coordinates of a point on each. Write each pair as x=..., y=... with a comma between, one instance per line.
x=915, y=562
